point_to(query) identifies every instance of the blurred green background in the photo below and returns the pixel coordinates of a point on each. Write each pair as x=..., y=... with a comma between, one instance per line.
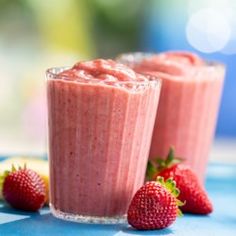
x=37, y=34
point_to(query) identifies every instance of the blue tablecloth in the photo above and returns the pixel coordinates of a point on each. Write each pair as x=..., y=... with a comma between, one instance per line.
x=221, y=182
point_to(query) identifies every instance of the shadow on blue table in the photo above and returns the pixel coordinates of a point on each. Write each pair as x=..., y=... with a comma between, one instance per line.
x=43, y=223
x=220, y=185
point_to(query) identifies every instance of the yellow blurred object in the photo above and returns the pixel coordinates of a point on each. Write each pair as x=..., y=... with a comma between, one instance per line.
x=38, y=165
x=65, y=26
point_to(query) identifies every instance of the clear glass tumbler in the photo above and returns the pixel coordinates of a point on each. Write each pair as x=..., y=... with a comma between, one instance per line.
x=189, y=103
x=99, y=140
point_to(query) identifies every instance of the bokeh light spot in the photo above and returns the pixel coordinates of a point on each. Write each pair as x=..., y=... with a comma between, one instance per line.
x=208, y=30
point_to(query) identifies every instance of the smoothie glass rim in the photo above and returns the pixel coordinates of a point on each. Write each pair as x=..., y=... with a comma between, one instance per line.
x=150, y=80
x=136, y=57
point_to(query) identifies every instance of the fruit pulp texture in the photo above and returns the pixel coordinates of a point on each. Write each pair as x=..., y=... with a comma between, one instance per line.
x=188, y=107
x=99, y=137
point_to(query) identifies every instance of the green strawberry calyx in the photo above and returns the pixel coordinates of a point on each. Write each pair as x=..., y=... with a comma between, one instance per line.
x=157, y=165
x=170, y=185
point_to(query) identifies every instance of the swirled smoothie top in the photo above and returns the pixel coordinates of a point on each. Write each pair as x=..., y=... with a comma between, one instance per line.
x=176, y=64
x=101, y=70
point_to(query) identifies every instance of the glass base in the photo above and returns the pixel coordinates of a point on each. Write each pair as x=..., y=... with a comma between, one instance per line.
x=87, y=219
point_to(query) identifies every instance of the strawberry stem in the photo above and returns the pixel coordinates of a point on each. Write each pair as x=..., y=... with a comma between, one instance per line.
x=179, y=213
x=170, y=156
x=170, y=185
x=169, y=161
x=151, y=170
x=13, y=168
x=159, y=164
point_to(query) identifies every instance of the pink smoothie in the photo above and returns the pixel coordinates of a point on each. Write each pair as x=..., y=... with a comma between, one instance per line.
x=101, y=118
x=189, y=102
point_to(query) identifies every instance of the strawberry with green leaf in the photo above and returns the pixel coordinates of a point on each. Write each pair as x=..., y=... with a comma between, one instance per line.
x=155, y=205
x=191, y=190
x=23, y=189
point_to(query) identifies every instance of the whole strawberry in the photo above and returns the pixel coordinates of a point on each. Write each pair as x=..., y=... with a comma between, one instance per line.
x=155, y=205
x=191, y=191
x=24, y=189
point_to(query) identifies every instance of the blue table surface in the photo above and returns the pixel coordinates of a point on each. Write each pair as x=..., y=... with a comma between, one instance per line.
x=220, y=184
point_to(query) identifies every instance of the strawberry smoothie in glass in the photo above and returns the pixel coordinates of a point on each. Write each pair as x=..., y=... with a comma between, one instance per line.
x=188, y=107
x=101, y=117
